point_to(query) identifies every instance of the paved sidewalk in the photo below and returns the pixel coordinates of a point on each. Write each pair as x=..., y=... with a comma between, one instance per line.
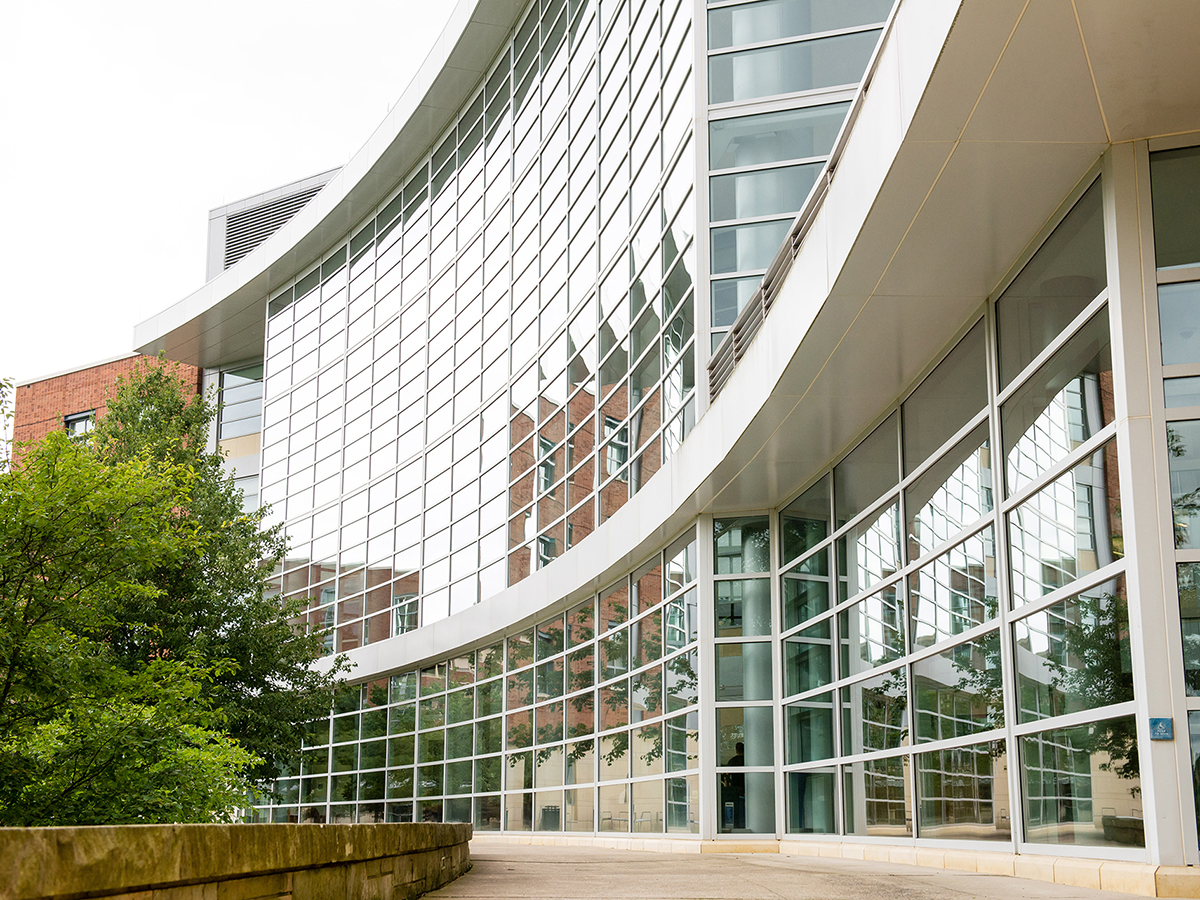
x=550, y=873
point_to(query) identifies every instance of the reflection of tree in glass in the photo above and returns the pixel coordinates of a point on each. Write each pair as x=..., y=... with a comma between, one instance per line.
x=981, y=679
x=1185, y=506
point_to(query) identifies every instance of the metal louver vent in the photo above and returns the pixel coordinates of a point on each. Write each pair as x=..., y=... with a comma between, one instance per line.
x=246, y=230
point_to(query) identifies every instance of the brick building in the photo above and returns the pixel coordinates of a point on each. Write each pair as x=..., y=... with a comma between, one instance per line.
x=75, y=399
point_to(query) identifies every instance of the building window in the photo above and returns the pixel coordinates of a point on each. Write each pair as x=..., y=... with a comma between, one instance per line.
x=404, y=613
x=80, y=423
x=546, y=466
x=617, y=451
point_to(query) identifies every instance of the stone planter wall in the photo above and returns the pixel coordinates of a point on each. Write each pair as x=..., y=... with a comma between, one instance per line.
x=231, y=862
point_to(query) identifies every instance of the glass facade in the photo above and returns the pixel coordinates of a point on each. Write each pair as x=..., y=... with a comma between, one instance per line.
x=587, y=722
x=764, y=161
x=931, y=634
x=495, y=361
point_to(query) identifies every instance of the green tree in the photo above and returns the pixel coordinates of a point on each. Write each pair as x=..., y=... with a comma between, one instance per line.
x=216, y=605
x=86, y=737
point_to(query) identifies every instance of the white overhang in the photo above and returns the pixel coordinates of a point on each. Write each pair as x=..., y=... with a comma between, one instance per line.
x=981, y=118
x=224, y=320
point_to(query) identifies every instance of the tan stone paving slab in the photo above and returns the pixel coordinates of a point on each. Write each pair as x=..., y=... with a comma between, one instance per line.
x=572, y=873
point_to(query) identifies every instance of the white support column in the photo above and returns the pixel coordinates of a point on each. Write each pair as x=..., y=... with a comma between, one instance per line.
x=1154, y=626
x=707, y=679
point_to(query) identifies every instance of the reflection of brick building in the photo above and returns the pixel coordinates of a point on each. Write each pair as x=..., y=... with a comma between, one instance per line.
x=73, y=400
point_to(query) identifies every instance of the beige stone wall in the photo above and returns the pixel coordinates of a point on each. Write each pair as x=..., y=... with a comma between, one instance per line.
x=231, y=862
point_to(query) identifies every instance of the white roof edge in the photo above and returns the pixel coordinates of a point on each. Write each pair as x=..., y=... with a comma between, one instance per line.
x=299, y=184
x=212, y=322
x=25, y=382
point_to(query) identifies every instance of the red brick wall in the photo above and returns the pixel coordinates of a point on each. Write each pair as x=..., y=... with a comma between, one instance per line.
x=41, y=405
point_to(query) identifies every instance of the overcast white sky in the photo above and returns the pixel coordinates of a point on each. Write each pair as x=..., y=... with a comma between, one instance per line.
x=122, y=123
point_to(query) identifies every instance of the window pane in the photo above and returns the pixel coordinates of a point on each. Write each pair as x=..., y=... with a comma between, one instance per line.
x=1074, y=655
x=1082, y=785
x=808, y=659
x=1175, y=189
x=875, y=714
x=729, y=297
x=741, y=545
x=803, y=596
x=1188, y=578
x=946, y=400
x=869, y=552
x=1070, y=528
x=810, y=729
x=751, y=23
x=958, y=692
x=1182, y=392
x=1062, y=405
x=743, y=671
x=745, y=736
x=1178, y=322
x=774, y=137
x=806, y=520
x=769, y=192
x=955, y=592
x=868, y=472
x=871, y=632
x=961, y=793
x=1063, y=277
x=743, y=607
x=950, y=495
x=742, y=248
x=1183, y=459
x=811, y=801
x=790, y=67
x=876, y=796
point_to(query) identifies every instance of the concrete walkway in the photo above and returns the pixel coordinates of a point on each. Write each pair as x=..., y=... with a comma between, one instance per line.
x=551, y=873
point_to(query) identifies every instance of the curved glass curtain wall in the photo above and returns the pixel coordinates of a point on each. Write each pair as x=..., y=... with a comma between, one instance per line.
x=807, y=56
x=949, y=599
x=494, y=362
x=587, y=722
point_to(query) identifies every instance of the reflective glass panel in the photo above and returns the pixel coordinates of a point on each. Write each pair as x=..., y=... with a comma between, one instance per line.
x=808, y=658
x=947, y=399
x=1070, y=528
x=741, y=545
x=803, y=596
x=871, y=632
x=1074, y=655
x=962, y=793
x=1062, y=405
x=774, y=137
x=1082, y=785
x=743, y=607
x=1182, y=391
x=1188, y=579
x=1183, y=460
x=875, y=713
x=1175, y=193
x=746, y=248
x=1064, y=276
x=959, y=691
x=954, y=592
x=806, y=521
x=876, y=797
x=869, y=552
x=750, y=23
x=765, y=192
x=809, y=725
x=743, y=671
x=867, y=472
x=1178, y=322
x=950, y=495
x=787, y=68
x=811, y=801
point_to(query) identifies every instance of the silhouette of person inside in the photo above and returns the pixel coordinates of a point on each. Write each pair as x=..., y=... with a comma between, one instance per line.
x=734, y=787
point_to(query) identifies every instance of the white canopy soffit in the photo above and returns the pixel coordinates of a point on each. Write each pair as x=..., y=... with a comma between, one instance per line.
x=224, y=321
x=982, y=117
